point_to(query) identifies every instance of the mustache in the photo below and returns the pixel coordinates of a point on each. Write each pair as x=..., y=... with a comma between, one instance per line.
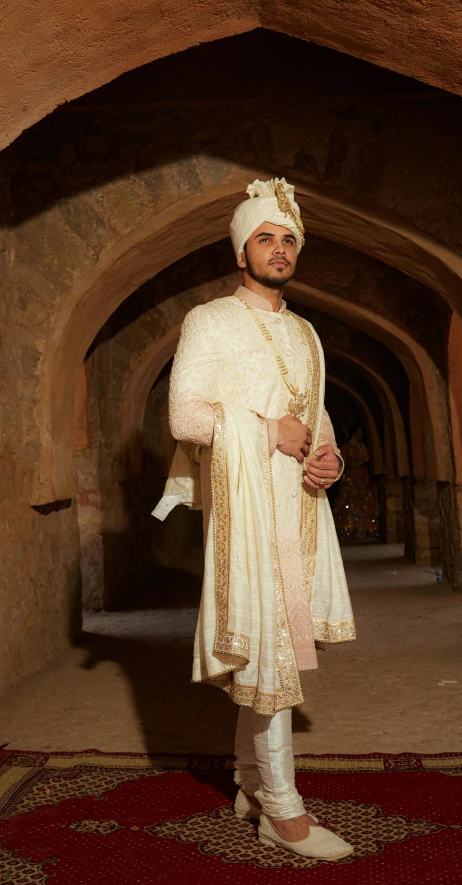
x=273, y=261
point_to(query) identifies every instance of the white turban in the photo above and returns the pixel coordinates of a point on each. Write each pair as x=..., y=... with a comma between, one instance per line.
x=271, y=201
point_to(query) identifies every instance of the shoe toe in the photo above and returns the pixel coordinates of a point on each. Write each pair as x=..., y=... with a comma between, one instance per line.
x=320, y=843
x=329, y=844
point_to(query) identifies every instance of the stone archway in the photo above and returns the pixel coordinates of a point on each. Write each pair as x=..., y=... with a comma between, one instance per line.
x=455, y=389
x=389, y=405
x=65, y=55
x=369, y=420
x=187, y=225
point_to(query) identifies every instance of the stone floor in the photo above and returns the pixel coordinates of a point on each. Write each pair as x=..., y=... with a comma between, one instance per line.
x=126, y=686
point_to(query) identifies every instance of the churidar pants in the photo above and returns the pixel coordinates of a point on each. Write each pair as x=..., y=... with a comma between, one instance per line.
x=265, y=762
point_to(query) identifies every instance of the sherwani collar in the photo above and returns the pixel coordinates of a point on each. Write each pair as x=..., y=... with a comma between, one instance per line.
x=257, y=300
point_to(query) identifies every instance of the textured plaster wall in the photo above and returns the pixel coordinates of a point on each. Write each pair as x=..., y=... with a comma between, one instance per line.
x=40, y=578
x=65, y=52
x=357, y=277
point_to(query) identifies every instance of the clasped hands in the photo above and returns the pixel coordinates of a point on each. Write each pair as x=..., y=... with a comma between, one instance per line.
x=295, y=439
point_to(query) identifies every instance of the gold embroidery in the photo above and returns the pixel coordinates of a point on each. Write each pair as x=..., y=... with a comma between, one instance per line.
x=225, y=642
x=264, y=703
x=344, y=631
x=287, y=207
x=309, y=504
x=289, y=692
x=261, y=702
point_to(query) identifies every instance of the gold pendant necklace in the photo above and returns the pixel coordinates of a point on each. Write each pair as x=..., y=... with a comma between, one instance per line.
x=298, y=403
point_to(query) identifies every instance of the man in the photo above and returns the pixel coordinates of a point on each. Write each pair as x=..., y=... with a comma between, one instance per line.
x=246, y=404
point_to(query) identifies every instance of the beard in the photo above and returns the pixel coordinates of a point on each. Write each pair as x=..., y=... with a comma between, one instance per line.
x=274, y=280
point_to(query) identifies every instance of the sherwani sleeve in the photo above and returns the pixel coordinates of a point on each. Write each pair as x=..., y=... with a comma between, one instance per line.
x=192, y=382
x=327, y=437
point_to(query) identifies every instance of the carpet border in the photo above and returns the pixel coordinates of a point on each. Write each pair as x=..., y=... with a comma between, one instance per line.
x=327, y=762
x=19, y=769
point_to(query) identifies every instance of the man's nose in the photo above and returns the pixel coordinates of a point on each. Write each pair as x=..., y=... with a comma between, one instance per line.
x=280, y=248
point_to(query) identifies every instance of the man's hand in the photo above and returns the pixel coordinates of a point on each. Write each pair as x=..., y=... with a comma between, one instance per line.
x=294, y=437
x=323, y=465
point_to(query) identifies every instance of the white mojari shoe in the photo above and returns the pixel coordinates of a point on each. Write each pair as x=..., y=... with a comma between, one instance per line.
x=319, y=843
x=244, y=809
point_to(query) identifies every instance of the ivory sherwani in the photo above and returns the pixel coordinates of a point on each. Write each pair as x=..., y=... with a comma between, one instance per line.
x=274, y=579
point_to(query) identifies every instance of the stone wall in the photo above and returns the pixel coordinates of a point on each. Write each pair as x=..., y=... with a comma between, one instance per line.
x=64, y=55
x=394, y=520
x=41, y=589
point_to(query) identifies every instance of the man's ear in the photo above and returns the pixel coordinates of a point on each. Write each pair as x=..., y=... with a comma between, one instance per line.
x=241, y=260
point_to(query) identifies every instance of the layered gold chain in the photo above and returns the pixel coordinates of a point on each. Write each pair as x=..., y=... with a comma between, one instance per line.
x=298, y=403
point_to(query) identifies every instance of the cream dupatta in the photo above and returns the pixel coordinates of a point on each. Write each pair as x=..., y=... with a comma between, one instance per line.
x=243, y=642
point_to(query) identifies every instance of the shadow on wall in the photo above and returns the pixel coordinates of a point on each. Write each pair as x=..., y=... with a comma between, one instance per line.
x=75, y=141
x=134, y=554
x=175, y=715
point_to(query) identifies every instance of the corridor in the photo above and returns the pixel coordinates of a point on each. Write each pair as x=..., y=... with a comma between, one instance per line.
x=126, y=685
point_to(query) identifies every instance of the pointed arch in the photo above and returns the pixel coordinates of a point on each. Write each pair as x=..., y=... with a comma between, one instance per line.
x=200, y=220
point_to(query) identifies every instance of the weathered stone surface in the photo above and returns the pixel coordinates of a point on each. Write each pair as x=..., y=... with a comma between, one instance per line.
x=394, y=523
x=41, y=604
x=64, y=55
x=450, y=515
x=427, y=523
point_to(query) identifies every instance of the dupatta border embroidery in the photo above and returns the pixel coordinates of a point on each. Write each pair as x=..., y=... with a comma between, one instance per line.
x=309, y=505
x=226, y=642
x=288, y=691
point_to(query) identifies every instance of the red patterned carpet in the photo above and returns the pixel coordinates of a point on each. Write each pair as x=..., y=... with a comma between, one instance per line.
x=92, y=818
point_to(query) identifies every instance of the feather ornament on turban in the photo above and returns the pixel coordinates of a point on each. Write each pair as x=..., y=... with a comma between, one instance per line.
x=271, y=201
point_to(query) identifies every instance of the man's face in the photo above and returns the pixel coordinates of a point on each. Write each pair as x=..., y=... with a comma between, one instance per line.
x=270, y=255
